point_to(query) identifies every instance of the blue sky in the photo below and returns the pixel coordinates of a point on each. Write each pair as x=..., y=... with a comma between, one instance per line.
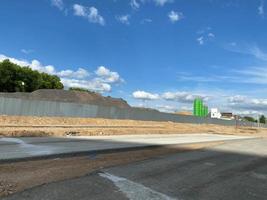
x=153, y=53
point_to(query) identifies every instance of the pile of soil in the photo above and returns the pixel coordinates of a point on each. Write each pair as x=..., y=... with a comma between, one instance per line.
x=69, y=96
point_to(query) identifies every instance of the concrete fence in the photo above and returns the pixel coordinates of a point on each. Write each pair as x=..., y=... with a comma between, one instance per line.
x=24, y=107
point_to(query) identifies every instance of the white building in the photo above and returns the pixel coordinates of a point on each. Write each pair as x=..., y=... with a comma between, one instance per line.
x=215, y=113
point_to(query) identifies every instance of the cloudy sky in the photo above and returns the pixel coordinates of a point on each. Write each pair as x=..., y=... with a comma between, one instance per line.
x=153, y=53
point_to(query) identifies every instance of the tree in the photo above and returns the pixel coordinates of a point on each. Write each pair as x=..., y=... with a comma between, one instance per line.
x=50, y=81
x=250, y=119
x=262, y=119
x=8, y=74
x=14, y=78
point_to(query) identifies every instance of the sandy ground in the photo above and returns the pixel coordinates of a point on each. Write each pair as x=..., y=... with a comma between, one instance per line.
x=58, y=126
x=18, y=176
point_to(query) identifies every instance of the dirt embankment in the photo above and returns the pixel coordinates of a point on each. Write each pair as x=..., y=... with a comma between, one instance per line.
x=62, y=126
x=70, y=97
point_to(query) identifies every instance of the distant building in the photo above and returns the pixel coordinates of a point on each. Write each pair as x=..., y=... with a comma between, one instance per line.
x=215, y=113
x=227, y=116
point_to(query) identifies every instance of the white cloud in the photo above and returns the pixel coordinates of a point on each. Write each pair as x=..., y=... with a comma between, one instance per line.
x=204, y=30
x=80, y=73
x=261, y=9
x=167, y=108
x=50, y=69
x=186, y=108
x=26, y=51
x=146, y=20
x=34, y=64
x=145, y=95
x=205, y=38
x=183, y=97
x=211, y=35
x=80, y=10
x=58, y=3
x=108, y=76
x=236, y=99
x=245, y=105
x=162, y=2
x=262, y=102
x=101, y=81
x=207, y=78
x=94, y=84
x=257, y=52
x=134, y=4
x=233, y=44
x=200, y=40
x=124, y=19
x=175, y=16
x=205, y=35
x=252, y=50
x=257, y=75
x=180, y=100
x=249, y=75
x=90, y=13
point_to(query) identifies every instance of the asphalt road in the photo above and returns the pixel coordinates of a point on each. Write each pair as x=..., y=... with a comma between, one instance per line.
x=27, y=148
x=231, y=171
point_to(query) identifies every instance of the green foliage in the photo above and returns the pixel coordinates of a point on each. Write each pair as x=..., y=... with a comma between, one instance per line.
x=262, y=119
x=250, y=119
x=50, y=81
x=14, y=78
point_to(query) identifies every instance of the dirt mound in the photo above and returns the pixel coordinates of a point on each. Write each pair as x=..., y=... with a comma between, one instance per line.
x=69, y=96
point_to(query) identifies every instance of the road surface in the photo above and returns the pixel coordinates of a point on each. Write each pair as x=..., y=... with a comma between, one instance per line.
x=27, y=148
x=231, y=171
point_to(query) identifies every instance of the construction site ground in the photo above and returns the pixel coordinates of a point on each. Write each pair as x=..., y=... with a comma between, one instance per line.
x=23, y=126
x=18, y=176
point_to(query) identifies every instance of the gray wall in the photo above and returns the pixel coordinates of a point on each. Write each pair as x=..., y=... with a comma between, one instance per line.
x=16, y=106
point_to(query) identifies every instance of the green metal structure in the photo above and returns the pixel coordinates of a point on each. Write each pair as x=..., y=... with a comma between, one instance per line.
x=199, y=109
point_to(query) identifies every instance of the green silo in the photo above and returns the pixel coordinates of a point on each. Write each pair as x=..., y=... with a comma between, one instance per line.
x=195, y=107
x=198, y=107
x=202, y=110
